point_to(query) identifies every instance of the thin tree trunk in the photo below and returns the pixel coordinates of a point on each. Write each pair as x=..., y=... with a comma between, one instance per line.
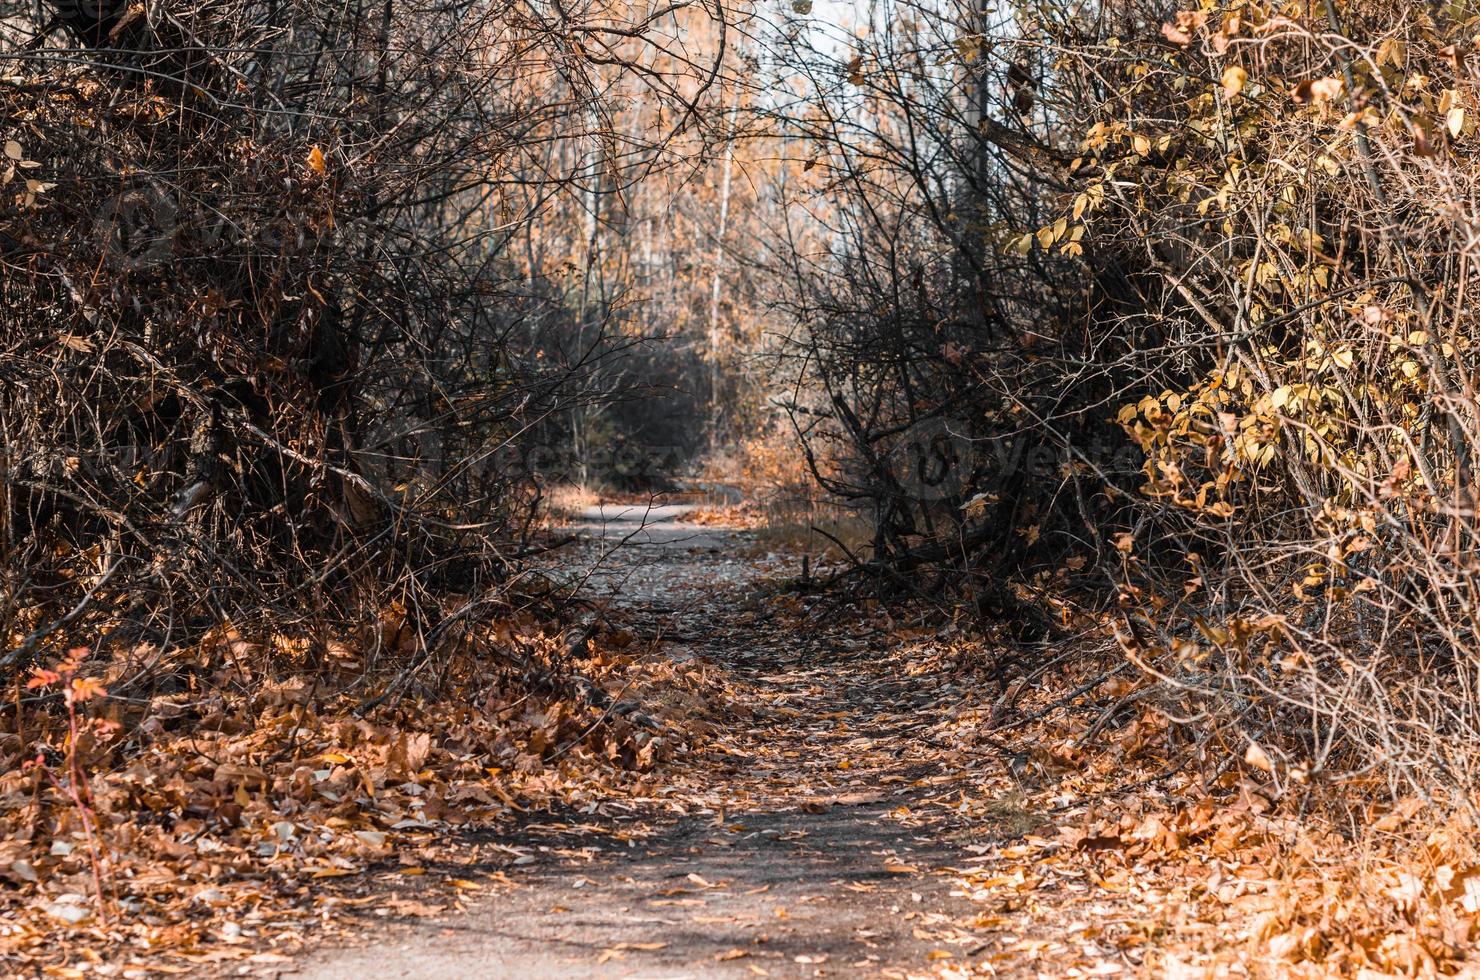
x=715, y=408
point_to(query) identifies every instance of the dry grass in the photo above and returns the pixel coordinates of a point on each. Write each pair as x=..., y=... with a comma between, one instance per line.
x=565, y=500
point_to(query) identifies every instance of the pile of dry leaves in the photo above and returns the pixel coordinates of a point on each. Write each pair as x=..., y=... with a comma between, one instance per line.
x=214, y=823
x=1145, y=844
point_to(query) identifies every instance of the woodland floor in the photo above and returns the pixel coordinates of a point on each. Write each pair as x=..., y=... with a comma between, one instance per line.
x=827, y=834
x=734, y=777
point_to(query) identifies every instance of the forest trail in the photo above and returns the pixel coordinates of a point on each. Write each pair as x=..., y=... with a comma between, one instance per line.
x=815, y=839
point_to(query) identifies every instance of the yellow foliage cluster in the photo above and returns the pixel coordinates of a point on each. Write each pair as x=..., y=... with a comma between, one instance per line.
x=1294, y=188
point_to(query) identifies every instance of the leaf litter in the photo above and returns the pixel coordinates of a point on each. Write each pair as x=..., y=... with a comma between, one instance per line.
x=246, y=816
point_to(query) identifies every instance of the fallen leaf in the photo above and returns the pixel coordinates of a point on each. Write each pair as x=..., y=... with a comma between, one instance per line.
x=1255, y=756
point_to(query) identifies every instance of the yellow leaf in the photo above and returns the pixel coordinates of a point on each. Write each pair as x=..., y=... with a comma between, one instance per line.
x=1392, y=51
x=1234, y=79
x=1141, y=145
x=316, y=161
x=1258, y=758
x=1454, y=119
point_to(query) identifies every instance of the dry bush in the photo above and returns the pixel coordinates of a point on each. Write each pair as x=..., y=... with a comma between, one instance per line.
x=952, y=387
x=269, y=363
x=1243, y=237
x=1296, y=197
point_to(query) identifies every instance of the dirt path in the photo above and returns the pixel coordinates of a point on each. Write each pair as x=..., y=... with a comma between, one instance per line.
x=815, y=838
